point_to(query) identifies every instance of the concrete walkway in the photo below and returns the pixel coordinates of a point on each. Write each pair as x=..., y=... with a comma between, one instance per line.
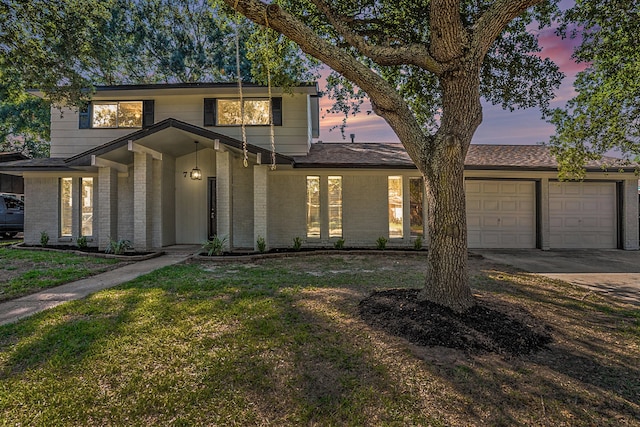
x=12, y=311
x=608, y=271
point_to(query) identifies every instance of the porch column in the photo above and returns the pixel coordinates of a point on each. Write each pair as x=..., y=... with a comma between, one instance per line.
x=260, y=204
x=630, y=224
x=142, y=192
x=544, y=232
x=155, y=217
x=224, y=196
x=108, y=206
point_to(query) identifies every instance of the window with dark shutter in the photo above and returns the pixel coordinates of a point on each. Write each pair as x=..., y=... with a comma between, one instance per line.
x=85, y=116
x=209, y=111
x=147, y=113
x=276, y=111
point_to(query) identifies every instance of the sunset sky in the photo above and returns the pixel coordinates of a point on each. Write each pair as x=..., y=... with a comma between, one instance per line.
x=498, y=126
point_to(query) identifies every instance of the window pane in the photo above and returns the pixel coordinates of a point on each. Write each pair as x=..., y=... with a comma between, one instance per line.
x=313, y=206
x=395, y=206
x=66, y=207
x=87, y=206
x=416, y=198
x=335, y=206
x=130, y=114
x=256, y=112
x=104, y=116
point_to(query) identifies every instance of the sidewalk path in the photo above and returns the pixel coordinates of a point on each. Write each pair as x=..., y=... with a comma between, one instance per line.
x=13, y=310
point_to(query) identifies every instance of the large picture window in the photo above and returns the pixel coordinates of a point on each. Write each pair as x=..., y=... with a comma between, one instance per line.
x=66, y=207
x=226, y=111
x=256, y=112
x=395, y=207
x=313, y=206
x=117, y=114
x=123, y=114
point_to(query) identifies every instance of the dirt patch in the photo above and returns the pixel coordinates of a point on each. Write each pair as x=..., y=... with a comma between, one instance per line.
x=490, y=326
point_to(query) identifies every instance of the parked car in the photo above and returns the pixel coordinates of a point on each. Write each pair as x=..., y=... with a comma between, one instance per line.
x=11, y=216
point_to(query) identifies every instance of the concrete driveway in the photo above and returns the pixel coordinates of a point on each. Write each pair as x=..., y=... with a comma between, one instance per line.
x=609, y=271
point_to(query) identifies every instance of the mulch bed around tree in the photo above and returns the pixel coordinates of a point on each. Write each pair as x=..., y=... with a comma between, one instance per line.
x=489, y=327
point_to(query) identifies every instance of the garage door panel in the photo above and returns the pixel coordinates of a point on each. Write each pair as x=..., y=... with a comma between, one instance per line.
x=582, y=215
x=504, y=216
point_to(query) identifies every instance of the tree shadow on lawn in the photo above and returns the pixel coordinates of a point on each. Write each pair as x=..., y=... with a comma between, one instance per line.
x=301, y=354
x=62, y=337
x=587, y=369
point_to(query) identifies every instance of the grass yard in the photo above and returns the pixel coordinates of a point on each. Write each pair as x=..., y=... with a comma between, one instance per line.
x=24, y=272
x=280, y=343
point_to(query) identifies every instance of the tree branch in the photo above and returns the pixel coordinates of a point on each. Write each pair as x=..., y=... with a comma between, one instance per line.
x=408, y=54
x=386, y=100
x=495, y=20
x=448, y=36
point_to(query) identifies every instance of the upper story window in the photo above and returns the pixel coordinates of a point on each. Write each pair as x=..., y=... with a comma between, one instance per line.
x=117, y=114
x=226, y=112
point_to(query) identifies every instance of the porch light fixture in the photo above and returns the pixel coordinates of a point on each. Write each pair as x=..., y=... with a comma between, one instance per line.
x=196, y=174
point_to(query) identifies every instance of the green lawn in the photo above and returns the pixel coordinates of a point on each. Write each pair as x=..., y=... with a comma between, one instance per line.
x=24, y=272
x=280, y=343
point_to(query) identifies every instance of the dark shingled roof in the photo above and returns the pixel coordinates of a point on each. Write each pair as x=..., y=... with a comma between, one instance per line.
x=394, y=156
x=46, y=164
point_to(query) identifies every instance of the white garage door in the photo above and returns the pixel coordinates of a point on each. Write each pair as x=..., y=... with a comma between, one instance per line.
x=582, y=215
x=501, y=214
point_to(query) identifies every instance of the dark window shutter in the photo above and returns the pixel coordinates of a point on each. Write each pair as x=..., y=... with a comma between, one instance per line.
x=209, y=111
x=147, y=113
x=85, y=117
x=276, y=111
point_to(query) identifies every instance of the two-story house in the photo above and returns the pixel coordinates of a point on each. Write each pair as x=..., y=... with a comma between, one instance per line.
x=168, y=164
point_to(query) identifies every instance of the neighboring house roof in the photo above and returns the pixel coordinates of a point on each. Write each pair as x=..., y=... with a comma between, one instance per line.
x=11, y=156
x=35, y=165
x=394, y=156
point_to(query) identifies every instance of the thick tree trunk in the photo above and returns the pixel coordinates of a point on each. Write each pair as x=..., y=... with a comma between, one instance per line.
x=447, y=281
x=447, y=278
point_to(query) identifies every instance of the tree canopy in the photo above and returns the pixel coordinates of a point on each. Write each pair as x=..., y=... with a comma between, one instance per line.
x=605, y=113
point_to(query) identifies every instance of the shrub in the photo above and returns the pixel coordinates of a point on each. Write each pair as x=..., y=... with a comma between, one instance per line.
x=417, y=244
x=381, y=243
x=81, y=241
x=44, y=238
x=339, y=244
x=297, y=243
x=215, y=245
x=262, y=245
x=118, y=247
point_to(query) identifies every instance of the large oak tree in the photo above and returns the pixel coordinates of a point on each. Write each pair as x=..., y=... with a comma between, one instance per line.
x=425, y=64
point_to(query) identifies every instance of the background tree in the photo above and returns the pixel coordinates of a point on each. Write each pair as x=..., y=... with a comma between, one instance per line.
x=605, y=114
x=425, y=64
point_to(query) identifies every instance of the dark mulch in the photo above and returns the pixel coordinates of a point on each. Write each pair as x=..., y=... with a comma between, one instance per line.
x=88, y=249
x=489, y=327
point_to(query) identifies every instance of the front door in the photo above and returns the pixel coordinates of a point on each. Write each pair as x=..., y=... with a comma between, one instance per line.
x=212, y=215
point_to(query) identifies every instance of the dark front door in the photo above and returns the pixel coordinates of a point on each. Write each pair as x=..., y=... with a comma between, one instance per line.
x=213, y=222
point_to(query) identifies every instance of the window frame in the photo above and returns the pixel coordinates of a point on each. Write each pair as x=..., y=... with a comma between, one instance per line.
x=211, y=116
x=395, y=231
x=85, y=114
